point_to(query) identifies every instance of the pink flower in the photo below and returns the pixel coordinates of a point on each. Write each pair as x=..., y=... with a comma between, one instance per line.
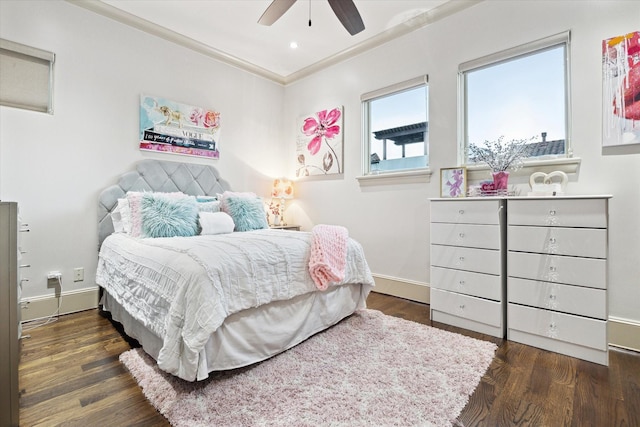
x=196, y=116
x=211, y=119
x=324, y=127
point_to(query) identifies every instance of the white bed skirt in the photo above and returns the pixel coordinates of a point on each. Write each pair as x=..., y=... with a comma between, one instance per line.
x=256, y=334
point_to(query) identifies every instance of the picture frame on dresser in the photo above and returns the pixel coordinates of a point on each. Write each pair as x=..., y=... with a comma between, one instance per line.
x=453, y=182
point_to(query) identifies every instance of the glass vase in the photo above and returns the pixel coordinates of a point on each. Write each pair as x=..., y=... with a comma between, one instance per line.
x=500, y=182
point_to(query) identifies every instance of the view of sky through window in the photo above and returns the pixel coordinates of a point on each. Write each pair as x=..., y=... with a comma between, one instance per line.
x=518, y=98
x=398, y=109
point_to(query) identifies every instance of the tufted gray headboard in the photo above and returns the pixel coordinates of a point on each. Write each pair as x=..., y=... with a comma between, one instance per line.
x=158, y=175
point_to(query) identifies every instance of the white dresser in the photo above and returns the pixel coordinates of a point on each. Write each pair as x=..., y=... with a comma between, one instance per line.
x=468, y=273
x=557, y=274
x=9, y=314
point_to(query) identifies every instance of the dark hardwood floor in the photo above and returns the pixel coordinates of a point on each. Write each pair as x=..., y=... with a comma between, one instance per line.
x=70, y=375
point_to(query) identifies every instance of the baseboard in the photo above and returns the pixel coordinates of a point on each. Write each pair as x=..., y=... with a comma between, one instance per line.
x=403, y=288
x=71, y=302
x=624, y=333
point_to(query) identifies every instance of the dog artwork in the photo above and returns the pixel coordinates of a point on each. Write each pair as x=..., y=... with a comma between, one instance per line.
x=170, y=115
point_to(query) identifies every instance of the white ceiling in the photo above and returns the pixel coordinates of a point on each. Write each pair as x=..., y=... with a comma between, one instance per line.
x=228, y=29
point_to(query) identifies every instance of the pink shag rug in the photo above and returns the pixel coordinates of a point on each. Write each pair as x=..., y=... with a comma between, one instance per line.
x=368, y=370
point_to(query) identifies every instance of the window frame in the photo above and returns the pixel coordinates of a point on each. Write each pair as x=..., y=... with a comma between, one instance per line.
x=365, y=100
x=497, y=58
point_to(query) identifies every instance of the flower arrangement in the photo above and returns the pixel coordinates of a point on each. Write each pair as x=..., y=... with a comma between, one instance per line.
x=500, y=155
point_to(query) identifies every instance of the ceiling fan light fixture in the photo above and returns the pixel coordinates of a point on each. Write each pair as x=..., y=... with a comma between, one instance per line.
x=345, y=10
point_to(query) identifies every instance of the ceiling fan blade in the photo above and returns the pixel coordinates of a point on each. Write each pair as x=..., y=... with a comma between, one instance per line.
x=276, y=9
x=348, y=14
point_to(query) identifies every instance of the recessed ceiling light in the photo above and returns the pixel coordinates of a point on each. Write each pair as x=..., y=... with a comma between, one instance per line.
x=293, y=45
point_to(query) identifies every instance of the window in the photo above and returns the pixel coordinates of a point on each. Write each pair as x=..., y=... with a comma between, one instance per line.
x=396, y=127
x=26, y=77
x=520, y=93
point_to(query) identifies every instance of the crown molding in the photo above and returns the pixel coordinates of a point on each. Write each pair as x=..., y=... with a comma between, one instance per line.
x=440, y=12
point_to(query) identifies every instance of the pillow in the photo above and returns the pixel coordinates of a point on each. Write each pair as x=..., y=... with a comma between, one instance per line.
x=164, y=215
x=135, y=221
x=247, y=213
x=116, y=220
x=125, y=216
x=224, y=197
x=216, y=223
x=204, y=199
x=212, y=206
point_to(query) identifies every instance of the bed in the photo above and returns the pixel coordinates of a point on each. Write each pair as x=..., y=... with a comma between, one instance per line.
x=220, y=301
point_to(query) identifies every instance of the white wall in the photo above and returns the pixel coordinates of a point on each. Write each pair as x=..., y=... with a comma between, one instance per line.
x=56, y=165
x=392, y=221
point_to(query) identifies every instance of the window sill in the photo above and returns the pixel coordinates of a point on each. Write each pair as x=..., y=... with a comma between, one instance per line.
x=403, y=177
x=569, y=165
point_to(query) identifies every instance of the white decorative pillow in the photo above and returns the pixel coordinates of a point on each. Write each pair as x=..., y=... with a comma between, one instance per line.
x=125, y=215
x=216, y=223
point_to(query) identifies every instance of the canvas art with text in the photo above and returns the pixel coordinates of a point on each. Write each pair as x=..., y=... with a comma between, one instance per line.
x=170, y=127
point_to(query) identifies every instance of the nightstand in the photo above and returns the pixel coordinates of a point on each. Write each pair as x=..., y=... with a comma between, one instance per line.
x=285, y=227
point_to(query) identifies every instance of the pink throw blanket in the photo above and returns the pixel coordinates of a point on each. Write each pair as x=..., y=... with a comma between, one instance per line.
x=328, y=258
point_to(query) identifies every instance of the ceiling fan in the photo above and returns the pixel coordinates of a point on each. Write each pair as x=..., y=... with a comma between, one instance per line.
x=345, y=10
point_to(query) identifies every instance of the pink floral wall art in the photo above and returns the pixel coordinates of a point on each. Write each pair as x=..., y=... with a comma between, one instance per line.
x=621, y=90
x=319, y=143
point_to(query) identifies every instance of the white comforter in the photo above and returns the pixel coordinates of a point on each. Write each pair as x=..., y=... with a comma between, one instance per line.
x=182, y=288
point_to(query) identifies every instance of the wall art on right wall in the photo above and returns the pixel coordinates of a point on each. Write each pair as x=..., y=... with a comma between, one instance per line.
x=621, y=90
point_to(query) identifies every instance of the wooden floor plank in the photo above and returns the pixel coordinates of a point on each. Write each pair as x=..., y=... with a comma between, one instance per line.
x=70, y=375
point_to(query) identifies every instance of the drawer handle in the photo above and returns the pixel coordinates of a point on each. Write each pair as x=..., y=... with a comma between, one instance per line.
x=552, y=268
x=461, y=259
x=552, y=297
x=552, y=325
x=461, y=211
x=461, y=235
x=461, y=282
x=552, y=212
x=552, y=240
x=461, y=306
x=24, y=265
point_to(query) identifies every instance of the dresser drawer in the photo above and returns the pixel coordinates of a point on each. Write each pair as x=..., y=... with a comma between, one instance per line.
x=467, y=235
x=468, y=283
x=558, y=297
x=466, y=212
x=467, y=307
x=558, y=326
x=558, y=269
x=584, y=242
x=558, y=212
x=469, y=259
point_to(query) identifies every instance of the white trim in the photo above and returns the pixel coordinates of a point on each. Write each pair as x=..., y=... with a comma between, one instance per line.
x=403, y=288
x=395, y=88
x=514, y=52
x=624, y=333
x=46, y=306
x=417, y=176
x=568, y=165
x=436, y=14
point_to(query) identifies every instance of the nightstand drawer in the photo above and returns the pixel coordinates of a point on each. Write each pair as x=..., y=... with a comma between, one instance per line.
x=557, y=297
x=558, y=269
x=584, y=242
x=478, y=260
x=467, y=307
x=466, y=212
x=558, y=326
x=466, y=235
x=468, y=283
x=559, y=212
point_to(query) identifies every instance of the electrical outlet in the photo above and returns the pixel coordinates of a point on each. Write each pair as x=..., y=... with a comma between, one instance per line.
x=54, y=275
x=78, y=274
